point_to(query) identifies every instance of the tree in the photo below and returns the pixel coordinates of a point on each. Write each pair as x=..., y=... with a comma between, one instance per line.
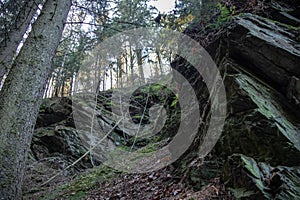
x=140, y=66
x=200, y=10
x=22, y=93
x=9, y=45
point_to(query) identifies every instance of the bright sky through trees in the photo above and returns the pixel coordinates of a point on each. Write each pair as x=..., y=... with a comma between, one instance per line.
x=163, y=6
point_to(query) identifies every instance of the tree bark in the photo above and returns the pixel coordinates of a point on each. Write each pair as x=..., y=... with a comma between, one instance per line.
x=111, y=77
x=126, y=68
x=120, y=72
x=63, y=86
x=22, y=93
x=71, y=84
x=159, y=61
x=8, y=47
x=131, y=66
x=140, y=65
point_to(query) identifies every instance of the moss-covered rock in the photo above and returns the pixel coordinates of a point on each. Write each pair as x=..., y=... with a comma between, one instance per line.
x=250, y=179
x=259, y=123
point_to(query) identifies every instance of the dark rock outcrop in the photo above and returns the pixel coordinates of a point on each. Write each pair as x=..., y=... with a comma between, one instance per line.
x=258, y=180
x=267, y=48
x=259, y=56
x=55, y=136
x=261, y=67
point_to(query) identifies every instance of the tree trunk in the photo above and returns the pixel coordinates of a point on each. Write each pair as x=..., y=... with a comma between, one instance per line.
x=48, y=94
x=58, y=80
x=103, y=82
x=117, y=76
x=159, y=62
x=111, y=77
x=126, y=68
x=120, y=72
x=8, y=47
x=131, y=66
x=71, y=84
x=63, y=86
x=22, y=93
x=47, y=87
x=140, y=65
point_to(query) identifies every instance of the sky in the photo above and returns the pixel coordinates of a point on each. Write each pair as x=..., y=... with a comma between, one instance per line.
x=163, y=6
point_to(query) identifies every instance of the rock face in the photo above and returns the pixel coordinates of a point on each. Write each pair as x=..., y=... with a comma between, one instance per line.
x=55, y=135
x=259, y=58
x=259, y=125
x=267, y=48
x=262, y=70
x=257, y=180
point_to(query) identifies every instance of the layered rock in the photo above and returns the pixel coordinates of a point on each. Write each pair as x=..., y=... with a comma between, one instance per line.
x=250, y=179
x=259, y=56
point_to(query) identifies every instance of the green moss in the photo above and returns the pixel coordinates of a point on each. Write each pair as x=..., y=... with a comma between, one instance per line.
x=283, y=24
x=269, y=108
x=148, y=149
x=156, y=87
x=45, y=105
x=77, y=188
x=45, y=132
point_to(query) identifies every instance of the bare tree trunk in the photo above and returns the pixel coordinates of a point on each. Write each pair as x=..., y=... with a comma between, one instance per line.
x=8, y=46
x=63, y=86
x=151, y=71
x=57, y=83
x=159, y=62
x=103, y=83
x=120, y=72
x=126, y=69
x=111, y=77
x=71, y=84
x=131, y=67
x=117, y=76
x=140, y=65
x=56, y=89
x=47, y=87
x=50, y=86
x=104, y=79
x=75, y=83
x=22, y=94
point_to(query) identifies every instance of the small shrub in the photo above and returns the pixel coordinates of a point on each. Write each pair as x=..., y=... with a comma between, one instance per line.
x=226, y=14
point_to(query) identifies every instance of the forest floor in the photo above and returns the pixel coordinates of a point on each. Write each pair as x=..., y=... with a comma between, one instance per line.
x=104, y=183
x=155, y=186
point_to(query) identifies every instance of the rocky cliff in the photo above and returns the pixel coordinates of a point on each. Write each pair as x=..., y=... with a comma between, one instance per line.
x=259, y=57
